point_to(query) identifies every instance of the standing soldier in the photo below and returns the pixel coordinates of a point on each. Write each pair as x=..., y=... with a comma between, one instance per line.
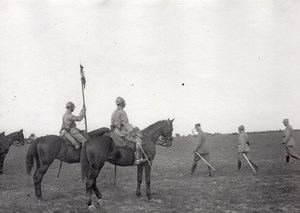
x=201, y=149
x=69, y=129
x=288, y=140
x=121, y=127
x=243, y=147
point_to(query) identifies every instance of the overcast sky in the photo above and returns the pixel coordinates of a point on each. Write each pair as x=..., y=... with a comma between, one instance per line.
x=220, y=63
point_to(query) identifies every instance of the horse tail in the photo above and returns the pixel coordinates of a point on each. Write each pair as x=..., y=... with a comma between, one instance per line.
x=84, y=163
x=31, y=155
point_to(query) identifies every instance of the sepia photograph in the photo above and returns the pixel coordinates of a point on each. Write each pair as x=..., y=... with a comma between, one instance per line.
x=157, y=106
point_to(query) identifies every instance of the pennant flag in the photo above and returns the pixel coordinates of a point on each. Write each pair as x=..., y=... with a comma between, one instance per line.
x=83, y=81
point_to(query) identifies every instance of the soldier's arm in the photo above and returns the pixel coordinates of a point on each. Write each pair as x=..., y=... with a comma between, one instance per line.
x=124, y=121
x=77, y=118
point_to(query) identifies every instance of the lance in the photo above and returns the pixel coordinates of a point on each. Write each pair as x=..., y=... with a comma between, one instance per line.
x=83, y=81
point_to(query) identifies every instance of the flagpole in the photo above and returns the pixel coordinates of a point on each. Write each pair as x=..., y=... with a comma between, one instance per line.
x=82, y=89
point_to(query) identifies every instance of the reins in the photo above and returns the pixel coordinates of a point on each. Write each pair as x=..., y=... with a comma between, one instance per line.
x=159, y=141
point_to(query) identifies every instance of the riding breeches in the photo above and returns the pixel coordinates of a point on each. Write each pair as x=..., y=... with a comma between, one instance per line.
x=77, y=135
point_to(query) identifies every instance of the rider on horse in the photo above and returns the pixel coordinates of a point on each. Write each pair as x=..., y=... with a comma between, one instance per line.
x=121, y=127
x=69, y=129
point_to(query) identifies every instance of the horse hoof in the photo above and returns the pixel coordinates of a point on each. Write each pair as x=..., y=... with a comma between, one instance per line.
x=40, y=199
x=149, y=197
x=138, y=195
x=92, y=207
x=100, y=202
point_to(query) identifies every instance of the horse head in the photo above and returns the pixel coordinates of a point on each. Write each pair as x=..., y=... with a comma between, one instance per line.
x=4, y=143
x=17, y=136
x=166, y=134
x=21, y=138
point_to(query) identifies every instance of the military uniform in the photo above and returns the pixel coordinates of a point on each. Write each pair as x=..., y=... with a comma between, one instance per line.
x=288, y=140
x=120, y=126
x=243, y=145
x=69, y=129
x=288, y=137
x=202, y=149
x=120, y=123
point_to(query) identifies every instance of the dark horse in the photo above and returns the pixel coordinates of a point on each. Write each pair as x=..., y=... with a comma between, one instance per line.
x=44, y=150
x=97, y=150
x=6, y=142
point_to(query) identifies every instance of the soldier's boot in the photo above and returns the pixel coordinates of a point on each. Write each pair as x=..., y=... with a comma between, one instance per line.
x=239, y=164
x=193, y=168
x=255, y=166
x=287, y=159
x=210, y=171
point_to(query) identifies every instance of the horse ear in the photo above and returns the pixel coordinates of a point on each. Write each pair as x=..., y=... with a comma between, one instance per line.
x=21, y=130
x=172, y=120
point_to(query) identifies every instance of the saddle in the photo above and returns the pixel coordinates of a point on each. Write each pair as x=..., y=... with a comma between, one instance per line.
x=121, y=142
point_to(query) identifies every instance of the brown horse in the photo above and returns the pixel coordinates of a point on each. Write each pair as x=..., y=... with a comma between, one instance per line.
x=6, y=142
x=44, y=150
x=97, y=150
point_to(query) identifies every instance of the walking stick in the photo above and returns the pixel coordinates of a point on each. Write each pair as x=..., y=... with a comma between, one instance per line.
x=249, y=162
x=205, y=161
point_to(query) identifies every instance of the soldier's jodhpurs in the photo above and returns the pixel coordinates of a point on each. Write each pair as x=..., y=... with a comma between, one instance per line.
x=64, y=133
x=77, y=135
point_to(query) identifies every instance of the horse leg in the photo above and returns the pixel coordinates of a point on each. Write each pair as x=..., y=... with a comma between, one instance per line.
x=37, y=179
x=139, y=180
x=91, y=184
x=147, y=179
x=96, y=190
x=2, y=156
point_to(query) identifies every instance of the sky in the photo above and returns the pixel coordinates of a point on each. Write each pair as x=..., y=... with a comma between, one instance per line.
x=218, y=63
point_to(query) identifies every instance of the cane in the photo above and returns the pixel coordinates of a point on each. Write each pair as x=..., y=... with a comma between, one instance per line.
x=249, y=162
x=205, y=161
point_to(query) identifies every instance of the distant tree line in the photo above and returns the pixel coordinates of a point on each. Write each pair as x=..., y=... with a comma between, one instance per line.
x=235, y=133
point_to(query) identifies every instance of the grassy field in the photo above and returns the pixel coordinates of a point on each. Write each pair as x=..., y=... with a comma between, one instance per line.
x=274, y=188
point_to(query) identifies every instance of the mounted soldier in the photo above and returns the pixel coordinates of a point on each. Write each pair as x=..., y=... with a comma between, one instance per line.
x=69, y=129
x=121, y=127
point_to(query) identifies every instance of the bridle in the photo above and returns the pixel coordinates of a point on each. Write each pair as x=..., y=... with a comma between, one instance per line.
x=161, y=141
x=164, y=141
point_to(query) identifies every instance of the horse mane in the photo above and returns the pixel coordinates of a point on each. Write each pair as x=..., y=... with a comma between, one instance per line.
x=152, y=126
x=16, y=133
